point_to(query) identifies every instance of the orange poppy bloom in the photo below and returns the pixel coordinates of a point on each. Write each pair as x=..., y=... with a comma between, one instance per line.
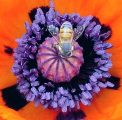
x=108, y=103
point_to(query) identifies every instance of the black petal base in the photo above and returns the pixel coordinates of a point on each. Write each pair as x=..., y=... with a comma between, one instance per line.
x=8, y=50
x=74, y=115
x=115, y=81
x=13, y=98
x=32, y=13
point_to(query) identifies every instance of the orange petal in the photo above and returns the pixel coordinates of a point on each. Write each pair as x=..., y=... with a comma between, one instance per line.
x=9, y=114
x=110, y=10
x=117, y=47
x=104, y=105
x=6, y=76
x=1, y=99
x=37, y=113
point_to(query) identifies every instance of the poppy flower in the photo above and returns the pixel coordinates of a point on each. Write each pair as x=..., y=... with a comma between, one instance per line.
x=40, y=79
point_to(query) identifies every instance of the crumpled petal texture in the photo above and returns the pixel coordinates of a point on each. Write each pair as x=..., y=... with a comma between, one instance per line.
x=107, y=104
x=9, y=114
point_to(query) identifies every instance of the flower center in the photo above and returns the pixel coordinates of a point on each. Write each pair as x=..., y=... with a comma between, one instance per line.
x=55, y=67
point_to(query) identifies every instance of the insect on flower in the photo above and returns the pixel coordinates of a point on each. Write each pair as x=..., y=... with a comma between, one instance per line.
x=66, y=36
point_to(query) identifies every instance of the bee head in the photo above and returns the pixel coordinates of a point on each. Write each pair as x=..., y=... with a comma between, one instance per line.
x=67, y=24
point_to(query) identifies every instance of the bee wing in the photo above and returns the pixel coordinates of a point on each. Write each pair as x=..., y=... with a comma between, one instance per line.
x=78, y=32
x=53, y=30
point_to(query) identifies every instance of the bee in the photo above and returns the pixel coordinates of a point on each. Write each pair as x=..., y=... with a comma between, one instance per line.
x=66, y=35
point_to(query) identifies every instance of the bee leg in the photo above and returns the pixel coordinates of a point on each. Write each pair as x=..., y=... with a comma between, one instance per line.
x=57, y=47
x=72, y=48
x=70, y=52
